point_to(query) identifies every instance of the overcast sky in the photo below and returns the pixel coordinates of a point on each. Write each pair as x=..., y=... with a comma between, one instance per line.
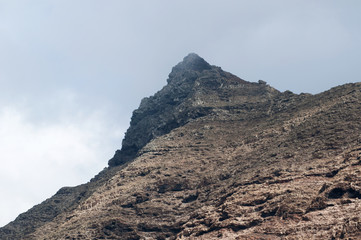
x=72, y=71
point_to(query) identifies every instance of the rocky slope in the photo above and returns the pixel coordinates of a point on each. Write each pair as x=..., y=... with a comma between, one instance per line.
x=212, y=156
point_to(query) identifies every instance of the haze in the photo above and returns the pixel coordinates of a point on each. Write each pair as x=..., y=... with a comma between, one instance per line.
x=71, y=72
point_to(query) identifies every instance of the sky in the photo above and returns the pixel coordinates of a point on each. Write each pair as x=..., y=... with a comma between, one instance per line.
x=72, y=71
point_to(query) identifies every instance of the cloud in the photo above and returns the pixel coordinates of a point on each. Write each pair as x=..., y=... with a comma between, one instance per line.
x=71, y=72
x=39, y=158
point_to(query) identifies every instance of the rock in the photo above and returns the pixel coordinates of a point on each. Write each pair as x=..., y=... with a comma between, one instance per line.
x=193, y=91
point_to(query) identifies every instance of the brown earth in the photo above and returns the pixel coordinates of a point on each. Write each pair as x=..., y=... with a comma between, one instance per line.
x=212, y=156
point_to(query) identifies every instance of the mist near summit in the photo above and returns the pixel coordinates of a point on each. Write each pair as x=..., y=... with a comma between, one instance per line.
x=72, y=72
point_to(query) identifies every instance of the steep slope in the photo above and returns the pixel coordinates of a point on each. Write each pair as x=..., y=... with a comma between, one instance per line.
x=194, y=89
x=212, y=156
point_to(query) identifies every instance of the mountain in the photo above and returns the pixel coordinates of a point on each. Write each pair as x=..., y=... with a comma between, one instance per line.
x=212, y=156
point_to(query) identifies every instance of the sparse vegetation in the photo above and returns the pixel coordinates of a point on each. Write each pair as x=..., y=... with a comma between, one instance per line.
x=218, y=157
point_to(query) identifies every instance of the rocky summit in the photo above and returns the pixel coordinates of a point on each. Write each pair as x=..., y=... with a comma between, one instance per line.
x=212, y=156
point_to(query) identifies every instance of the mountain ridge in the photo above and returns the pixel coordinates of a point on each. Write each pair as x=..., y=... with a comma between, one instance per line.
x=212, y=156
x=174, y=104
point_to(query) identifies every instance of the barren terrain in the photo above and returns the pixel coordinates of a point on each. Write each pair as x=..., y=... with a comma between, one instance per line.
x=212, y=156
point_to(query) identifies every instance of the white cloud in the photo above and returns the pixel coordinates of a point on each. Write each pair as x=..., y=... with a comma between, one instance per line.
x=37, y=159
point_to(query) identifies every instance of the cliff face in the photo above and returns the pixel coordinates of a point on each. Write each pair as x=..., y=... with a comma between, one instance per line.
x=212, y=156
x=194, y=89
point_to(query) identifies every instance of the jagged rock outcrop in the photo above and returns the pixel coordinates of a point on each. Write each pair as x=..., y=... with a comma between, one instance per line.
x=212, y=156
x=194, y=89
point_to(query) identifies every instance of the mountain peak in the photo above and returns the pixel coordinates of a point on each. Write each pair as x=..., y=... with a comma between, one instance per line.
x=192, y=62
x=195, y=89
